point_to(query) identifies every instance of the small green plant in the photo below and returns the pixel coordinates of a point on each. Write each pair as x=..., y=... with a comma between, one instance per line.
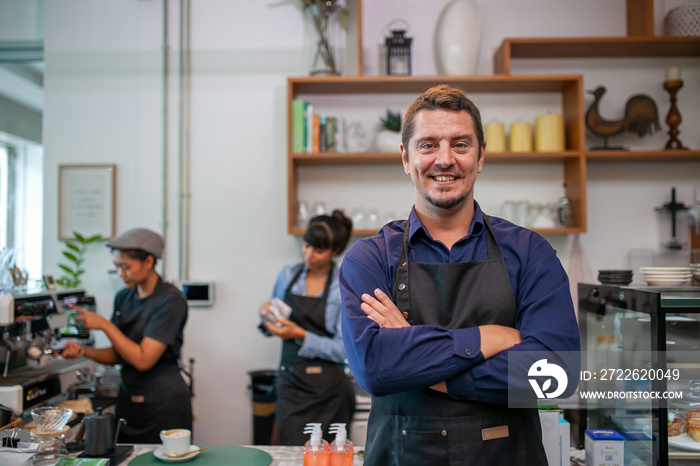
x=391, y=121
x=75, y=253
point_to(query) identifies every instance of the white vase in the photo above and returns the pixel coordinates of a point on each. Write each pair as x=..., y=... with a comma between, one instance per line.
x=457, y=38
x=388, y=141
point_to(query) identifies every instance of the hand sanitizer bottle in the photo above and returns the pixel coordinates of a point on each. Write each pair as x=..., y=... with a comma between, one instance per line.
x=315, y=449
x=341, y=448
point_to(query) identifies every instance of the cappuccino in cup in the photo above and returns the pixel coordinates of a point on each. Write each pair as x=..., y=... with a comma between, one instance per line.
x=175, y=441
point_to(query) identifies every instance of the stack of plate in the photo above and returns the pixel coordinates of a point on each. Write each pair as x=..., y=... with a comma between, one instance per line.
x=615, y=277
x=696, y=272
x=666, y=276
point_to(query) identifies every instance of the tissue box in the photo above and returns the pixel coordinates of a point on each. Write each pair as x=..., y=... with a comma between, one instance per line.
x=604, y=448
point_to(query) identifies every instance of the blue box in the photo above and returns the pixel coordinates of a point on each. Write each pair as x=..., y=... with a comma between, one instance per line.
x=604, y=448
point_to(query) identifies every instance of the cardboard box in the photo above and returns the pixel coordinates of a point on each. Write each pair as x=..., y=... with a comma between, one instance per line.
x=604, y=448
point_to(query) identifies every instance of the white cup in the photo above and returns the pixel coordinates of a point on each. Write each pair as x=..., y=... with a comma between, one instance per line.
x=175, y=441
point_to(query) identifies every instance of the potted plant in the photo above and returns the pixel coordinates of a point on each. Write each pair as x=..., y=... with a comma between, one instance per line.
x=323, y=15
x=389, y=135
x=75, y=253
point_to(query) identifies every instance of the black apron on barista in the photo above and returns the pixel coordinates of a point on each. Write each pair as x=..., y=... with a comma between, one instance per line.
x=153, y=400
x=310, y=390
x=428, y=427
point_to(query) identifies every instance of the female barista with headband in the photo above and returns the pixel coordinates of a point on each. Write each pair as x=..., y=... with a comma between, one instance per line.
x=146, y=336
x=312, y=385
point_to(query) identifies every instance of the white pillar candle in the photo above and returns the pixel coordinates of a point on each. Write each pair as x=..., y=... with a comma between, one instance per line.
x=549, y=133
x=521, y=137
x=673, y=74
x=495, y=135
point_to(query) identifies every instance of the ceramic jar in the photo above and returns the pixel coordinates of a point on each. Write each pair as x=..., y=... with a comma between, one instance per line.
x=457, y=38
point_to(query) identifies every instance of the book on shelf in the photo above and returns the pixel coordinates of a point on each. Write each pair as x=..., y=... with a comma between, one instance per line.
x=309, y=123
x=315, y=132
x=298, y=125
x=332, y=134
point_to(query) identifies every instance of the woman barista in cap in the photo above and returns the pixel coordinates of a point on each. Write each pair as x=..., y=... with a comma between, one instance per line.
x=146, y=333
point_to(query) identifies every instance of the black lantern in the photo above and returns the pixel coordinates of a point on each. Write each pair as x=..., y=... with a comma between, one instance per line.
x=398, y=52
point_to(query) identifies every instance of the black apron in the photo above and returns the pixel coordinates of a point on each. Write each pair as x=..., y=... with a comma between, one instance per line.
x=428, y=427
x=154, y=400
x=160, y=400
x=310, y=390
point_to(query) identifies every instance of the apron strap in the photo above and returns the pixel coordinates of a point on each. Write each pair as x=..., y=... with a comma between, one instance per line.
x=400, y=288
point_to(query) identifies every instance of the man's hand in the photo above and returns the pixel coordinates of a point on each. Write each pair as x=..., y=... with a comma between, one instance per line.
x=497, y=338
x=382, y=310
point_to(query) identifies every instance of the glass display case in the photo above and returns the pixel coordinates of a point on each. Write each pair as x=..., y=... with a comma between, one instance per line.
x=641, y=368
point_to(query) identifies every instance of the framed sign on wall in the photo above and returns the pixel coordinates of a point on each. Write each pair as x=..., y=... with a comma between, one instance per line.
x=86, y=198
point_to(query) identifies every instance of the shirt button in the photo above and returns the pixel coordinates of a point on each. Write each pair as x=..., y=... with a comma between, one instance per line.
x=444, y=433
x=405, y=315
x=403, y=432
x=402, y=286
x=468, y=352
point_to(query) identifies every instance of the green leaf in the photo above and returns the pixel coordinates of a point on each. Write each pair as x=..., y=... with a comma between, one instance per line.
x=94, y=238
x=344, y=19
x=73, y=247
x=79, y=237
x=72, y=257
x=66, y=269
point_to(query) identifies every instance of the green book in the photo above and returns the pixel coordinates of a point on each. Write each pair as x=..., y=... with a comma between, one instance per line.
x=83, y=462
x=298, y=126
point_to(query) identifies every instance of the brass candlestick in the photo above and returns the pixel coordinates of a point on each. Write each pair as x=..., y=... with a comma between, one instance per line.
x=673, y=119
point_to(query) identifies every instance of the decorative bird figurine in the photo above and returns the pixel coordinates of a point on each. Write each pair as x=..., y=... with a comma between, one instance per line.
x=641, y=117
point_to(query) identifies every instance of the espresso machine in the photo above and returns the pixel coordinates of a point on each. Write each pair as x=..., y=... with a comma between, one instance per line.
x=32, y=326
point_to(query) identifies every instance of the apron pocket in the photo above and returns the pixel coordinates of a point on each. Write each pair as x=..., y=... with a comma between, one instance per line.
x=482, y=439
x=421, y=440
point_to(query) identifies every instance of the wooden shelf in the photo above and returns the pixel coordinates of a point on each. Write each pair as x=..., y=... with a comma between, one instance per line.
x=388, y=158
x=643, y=156
x=531, y=157
x=347, y=158
x=418, y=84
x=593, y=47
x=570, y=87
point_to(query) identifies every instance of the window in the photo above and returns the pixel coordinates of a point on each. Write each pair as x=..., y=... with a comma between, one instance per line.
x=21, y=203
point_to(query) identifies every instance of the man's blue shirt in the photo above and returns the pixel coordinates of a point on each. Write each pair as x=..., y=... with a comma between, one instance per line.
x=388, y=360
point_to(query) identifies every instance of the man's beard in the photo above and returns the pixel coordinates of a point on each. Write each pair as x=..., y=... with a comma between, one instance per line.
x=447, y=203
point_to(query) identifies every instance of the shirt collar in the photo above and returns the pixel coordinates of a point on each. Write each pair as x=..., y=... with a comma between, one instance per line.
x=475, y=228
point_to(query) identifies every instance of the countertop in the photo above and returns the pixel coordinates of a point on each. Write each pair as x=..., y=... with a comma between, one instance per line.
x=281, y=456
x=292, y=456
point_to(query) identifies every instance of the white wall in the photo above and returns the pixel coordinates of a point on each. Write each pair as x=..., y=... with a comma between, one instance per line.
x=103, y=105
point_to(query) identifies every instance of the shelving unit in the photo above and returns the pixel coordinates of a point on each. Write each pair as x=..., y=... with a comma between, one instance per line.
x=639, y=43
x=593, y=47
x=572, y=159
x=643, y=156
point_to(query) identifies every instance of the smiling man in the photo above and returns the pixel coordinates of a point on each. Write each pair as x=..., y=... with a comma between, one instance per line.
x=433, y=304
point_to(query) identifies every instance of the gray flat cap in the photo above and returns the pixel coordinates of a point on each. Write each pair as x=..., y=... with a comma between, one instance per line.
x=139, y=238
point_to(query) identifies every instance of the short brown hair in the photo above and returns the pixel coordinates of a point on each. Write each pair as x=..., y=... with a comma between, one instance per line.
x=444, y=97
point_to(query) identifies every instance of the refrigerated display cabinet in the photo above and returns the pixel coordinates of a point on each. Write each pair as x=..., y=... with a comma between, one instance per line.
x=657, y=332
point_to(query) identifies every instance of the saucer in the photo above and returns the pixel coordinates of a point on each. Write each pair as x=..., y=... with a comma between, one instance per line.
x=158, y=453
